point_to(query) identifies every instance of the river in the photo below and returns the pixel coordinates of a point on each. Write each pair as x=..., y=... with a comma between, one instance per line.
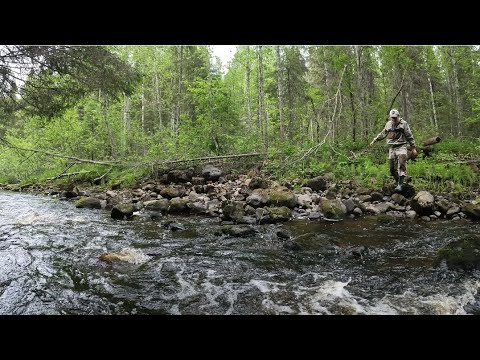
x=49, y=264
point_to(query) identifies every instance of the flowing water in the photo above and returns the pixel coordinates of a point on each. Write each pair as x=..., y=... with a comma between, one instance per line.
x=49, y=264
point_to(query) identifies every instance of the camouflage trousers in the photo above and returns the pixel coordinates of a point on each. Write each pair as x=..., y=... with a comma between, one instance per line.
x=398, y=161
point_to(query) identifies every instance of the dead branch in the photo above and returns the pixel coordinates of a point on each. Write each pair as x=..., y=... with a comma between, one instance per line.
x=208, y=158
x=67, y=174
x=398, y=92
x=314, y=149
x=97, y=181
x=8, y=144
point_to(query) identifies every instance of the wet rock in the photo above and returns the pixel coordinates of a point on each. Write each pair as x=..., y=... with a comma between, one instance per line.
x=116, y=186
x=197, y=180
x=318, y=183
x=423, y=203
x=359, y=251
x=160, y=205
x=132, y=256
x=197, y=207
x=291, y=245
x=376, y=196
x=463, y=253
x=399, y=199
x=411, y=214
x=210, y=172
x=122, y=211
x=349, y=205
x=333, y=209
x=233, y=210
x=304, y=201
x=247, y=220
x=385, y=218
x=88, y=202
x=357, y=212
x=281, y=198
x=453, y=210
x=272, y=215
x=283, y=234
x=171, y=192
x=365, y=198
x=69, y=194
x=186, y=234
x=258, y=183
x=238, y=230
x=172, y=225
x=148, y=187
x=200, y=189
x=249, y=210
x=179, y=176
x=258, y=198
x=314, y=215
x=442, y=205
x=472, y=211
x=178, y=205
x=378, y=209
x=397, y=214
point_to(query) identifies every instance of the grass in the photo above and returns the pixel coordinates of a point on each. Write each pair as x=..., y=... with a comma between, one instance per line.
x=442, y=172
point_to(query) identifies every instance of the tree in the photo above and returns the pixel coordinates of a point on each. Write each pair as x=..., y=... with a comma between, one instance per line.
x=46, y=80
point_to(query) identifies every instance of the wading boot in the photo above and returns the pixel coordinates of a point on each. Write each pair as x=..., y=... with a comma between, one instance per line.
x=399, y=187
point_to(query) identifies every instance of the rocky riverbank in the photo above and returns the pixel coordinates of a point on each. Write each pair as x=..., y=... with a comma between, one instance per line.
x=242, y=199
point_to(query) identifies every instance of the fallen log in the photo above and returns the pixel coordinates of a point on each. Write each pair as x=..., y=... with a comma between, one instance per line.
x=431, y=141
x=426, y=148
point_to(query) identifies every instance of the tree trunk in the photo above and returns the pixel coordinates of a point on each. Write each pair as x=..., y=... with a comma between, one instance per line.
x=104, y=102
x=290, y=105
x=325, y=67
x=158, y=92
x=261, y=94
x=361, y=91
x=354, y=124
x=143, y=107
x=125, y=122
x=158, y=102
x=435, y=122
x=280, y=93
x=180, y=91
x=458, y=99
x=247, y=90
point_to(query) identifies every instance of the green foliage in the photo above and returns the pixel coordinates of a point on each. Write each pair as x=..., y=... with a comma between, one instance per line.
x=142, y=105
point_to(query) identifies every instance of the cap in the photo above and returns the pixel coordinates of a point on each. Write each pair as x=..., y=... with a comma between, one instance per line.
x=394, y=113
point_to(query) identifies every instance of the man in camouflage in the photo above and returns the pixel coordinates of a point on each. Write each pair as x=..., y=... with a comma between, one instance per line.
x=398, y=134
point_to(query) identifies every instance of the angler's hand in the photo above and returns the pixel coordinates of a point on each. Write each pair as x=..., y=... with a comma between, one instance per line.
x=414, y=152
x=371, y=144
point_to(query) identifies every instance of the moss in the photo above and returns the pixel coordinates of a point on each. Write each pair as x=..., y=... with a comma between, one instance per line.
x=463, y=253
x=88, y=202
x=281, y=198
x=385, y=218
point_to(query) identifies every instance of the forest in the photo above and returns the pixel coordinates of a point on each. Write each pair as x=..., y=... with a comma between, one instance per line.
x=303, y=110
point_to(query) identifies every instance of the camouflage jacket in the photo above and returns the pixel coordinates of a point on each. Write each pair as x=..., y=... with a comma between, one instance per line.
x=396, y=135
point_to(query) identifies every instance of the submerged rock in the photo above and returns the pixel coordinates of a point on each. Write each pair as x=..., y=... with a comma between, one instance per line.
x=238, y=230
x=132, y=256
x=463, y=253
x=291, y=245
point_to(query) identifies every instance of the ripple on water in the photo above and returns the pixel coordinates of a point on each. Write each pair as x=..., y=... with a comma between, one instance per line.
x=49, y=264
